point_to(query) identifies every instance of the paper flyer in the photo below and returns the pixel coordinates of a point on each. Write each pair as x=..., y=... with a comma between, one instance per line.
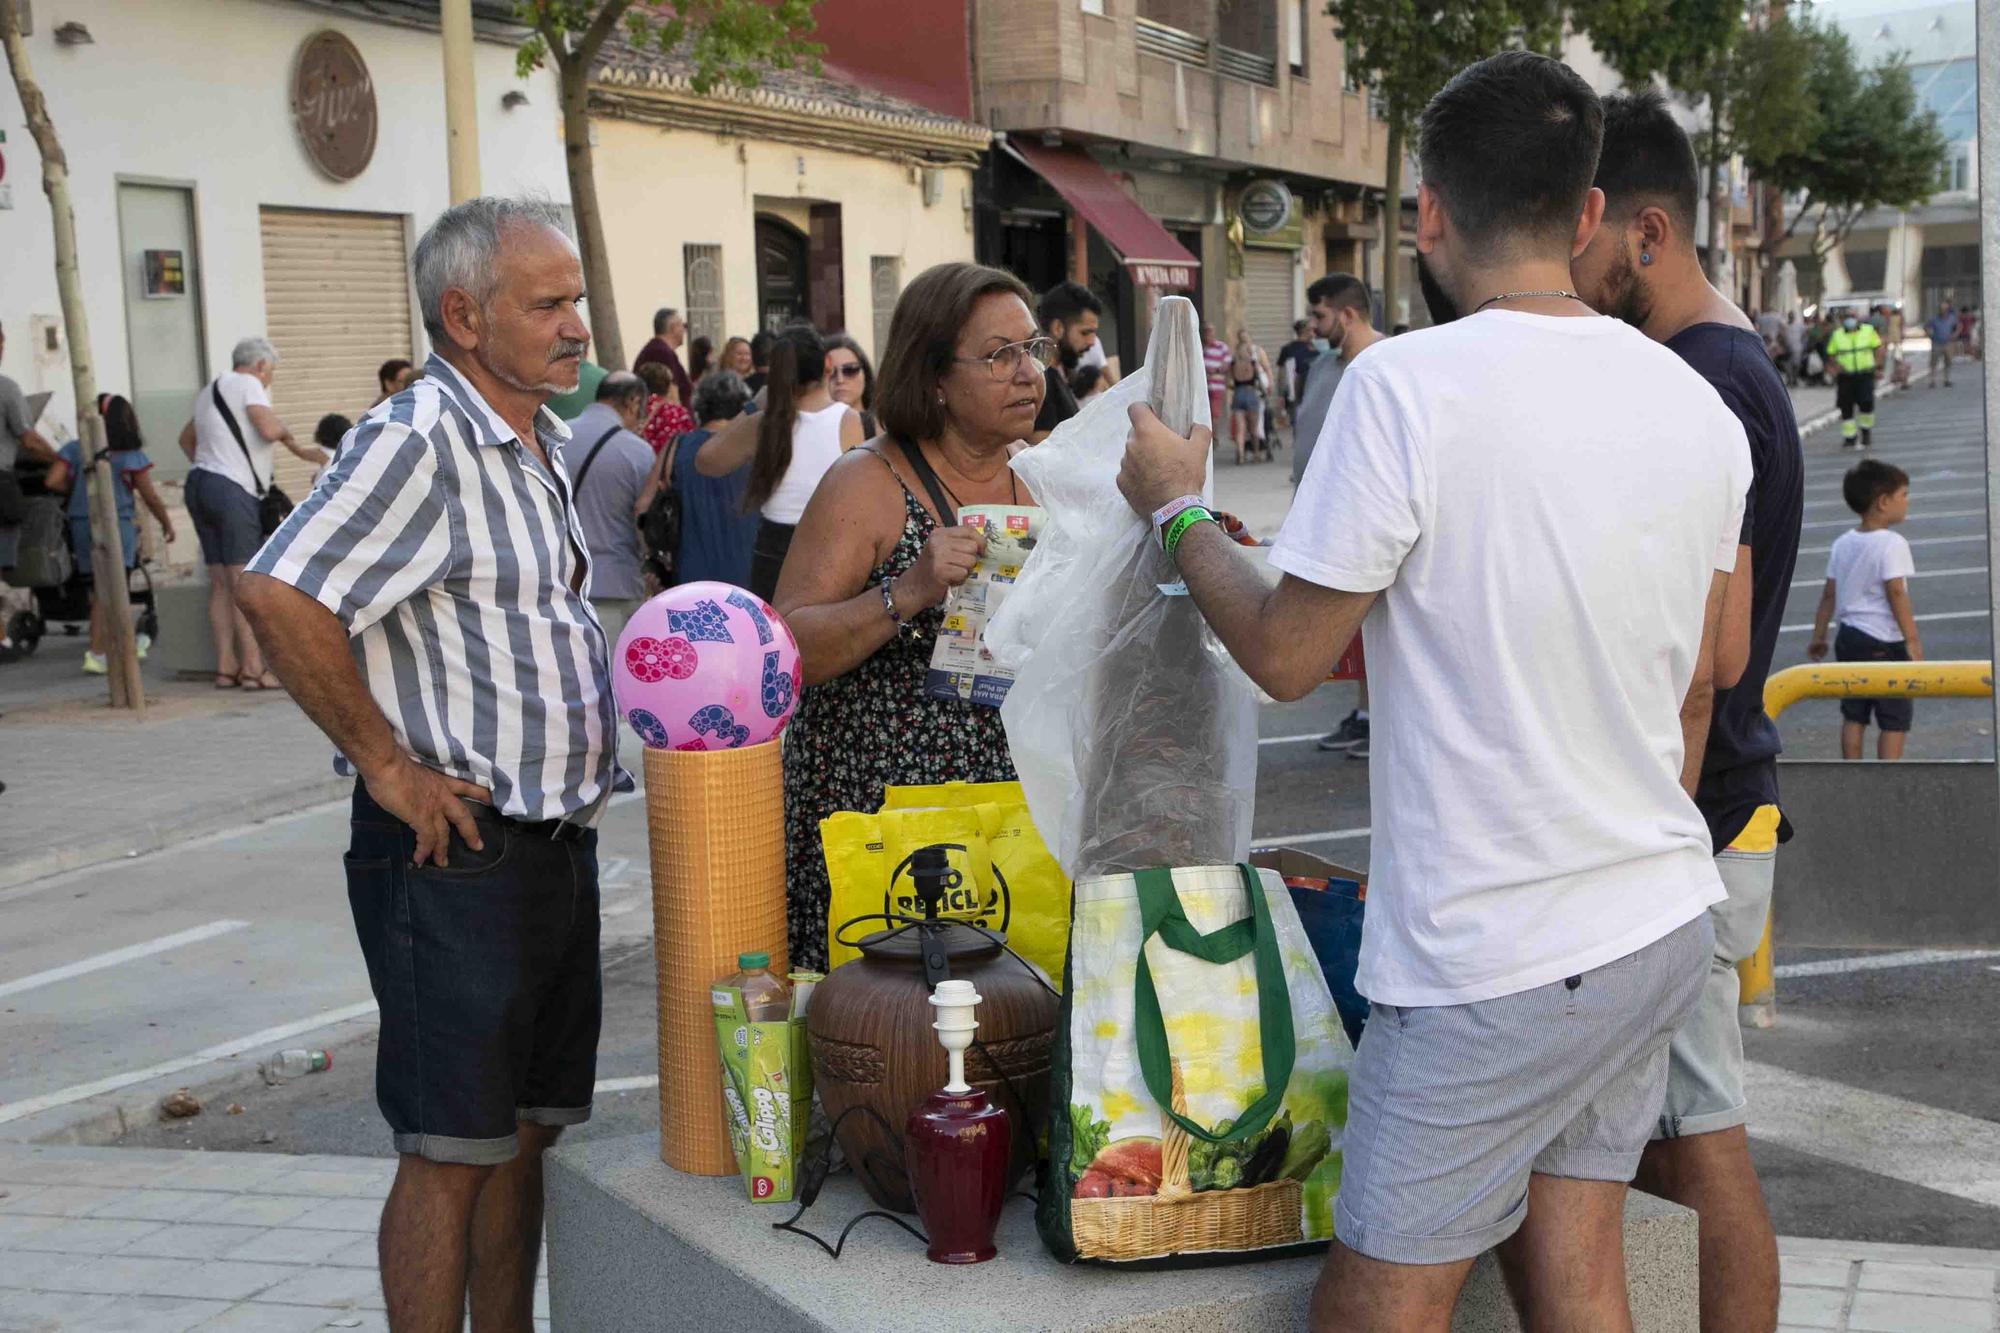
x=961, y=668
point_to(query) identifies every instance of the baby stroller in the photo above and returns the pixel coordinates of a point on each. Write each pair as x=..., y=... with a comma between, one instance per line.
x=45, y=568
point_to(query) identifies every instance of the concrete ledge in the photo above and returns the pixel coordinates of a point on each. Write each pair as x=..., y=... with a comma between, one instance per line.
x=635, y=1246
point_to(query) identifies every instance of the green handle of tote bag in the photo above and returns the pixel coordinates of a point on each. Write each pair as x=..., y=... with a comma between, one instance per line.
x=1160, y=914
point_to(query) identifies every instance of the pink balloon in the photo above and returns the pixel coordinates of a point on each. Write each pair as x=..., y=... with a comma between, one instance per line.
x=706, y=666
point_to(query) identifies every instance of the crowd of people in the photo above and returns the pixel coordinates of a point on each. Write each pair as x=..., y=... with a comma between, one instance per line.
x=1559, y=896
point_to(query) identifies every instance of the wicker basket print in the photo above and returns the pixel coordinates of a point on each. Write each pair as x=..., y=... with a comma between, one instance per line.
x=1178, y=1220
x=1200, y=1072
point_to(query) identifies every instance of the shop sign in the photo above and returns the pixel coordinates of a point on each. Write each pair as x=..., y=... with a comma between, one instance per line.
x=333, y=105
x=1270, y=214
x=1167, y=276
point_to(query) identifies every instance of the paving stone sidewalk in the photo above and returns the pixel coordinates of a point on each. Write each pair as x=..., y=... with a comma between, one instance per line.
x=94, y=1240
x=133, y=1240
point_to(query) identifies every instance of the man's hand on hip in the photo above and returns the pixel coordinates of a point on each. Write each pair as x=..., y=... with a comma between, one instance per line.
x=1159, y=465
x=431, y=803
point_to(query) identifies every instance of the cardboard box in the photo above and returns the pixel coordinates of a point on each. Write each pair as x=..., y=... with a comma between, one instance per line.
x=1292, y=864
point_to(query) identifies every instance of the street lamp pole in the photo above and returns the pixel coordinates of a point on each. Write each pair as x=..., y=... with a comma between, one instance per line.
x=461, y=102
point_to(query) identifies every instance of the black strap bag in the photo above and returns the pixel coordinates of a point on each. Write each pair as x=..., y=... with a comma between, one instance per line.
x=273, y=505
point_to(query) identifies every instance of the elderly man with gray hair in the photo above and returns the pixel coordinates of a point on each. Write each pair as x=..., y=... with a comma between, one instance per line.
x=428, y=607
x=231, y=438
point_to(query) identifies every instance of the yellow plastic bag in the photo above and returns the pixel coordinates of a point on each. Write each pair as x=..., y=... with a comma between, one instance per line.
x=1008, y=878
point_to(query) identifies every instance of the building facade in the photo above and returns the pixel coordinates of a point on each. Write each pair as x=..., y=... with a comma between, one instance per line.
x=1921, y=256
x=807, y=196
x=1146, y=146
x=246, y=167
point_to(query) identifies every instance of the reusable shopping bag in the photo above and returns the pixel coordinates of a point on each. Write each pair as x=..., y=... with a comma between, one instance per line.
x=1199, y=1082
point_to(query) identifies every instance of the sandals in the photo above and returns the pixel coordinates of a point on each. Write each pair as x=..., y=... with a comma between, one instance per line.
x=262, y=681
x=228, y=680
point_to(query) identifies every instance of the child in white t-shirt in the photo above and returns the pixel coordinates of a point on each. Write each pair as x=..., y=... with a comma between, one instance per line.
x=1868, y=594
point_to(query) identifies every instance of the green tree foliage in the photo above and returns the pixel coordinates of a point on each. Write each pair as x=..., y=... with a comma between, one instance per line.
x=1871, y=144
x=727, y=42
x=1404, y=51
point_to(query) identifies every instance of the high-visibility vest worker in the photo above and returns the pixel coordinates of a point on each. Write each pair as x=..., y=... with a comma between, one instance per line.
x=1851, y=349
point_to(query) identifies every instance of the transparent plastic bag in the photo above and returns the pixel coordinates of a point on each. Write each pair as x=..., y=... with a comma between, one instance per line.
x=1134, y=733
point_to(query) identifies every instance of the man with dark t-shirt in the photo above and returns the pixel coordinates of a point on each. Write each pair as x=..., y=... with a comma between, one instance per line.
x=1642, y=267
x=1068, y=312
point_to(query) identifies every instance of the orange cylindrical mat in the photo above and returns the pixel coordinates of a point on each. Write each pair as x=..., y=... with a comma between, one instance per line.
x=716, y=823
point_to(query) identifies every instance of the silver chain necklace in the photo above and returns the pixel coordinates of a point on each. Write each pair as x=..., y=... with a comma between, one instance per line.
x=1516, y=296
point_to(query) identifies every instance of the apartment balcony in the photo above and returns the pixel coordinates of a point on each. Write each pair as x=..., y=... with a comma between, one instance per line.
x=1253, y=84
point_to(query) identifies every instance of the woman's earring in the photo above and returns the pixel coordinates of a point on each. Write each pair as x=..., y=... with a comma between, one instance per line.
x=1645, y=258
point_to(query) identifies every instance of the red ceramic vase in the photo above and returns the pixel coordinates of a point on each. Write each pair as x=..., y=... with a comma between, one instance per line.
x=955, y=1146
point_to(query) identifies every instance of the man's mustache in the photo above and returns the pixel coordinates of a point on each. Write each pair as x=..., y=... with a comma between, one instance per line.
x=566, y=348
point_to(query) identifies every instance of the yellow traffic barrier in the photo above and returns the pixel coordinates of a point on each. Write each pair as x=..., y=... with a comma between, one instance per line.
x=1757, y=995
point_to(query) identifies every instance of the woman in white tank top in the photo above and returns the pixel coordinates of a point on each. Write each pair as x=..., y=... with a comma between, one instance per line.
x=800, y=433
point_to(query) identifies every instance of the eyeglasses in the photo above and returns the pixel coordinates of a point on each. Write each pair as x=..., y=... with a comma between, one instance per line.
x=1005, y=361
x=849, y=371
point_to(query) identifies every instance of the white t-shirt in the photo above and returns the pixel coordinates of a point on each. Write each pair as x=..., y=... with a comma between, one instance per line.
x=1542, y=503
x=1859, y=564
x=815, y=448
x=215, y=448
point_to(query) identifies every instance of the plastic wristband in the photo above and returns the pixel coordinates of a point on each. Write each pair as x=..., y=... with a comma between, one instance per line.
x=889, y=602
x=1172, y=509
x=1187, y=518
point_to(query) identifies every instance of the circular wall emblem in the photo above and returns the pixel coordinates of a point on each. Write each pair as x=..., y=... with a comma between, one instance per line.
x=1265, y=206
x=333, y=105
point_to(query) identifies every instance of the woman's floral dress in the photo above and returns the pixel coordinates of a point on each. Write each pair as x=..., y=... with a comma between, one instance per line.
x=871, y=728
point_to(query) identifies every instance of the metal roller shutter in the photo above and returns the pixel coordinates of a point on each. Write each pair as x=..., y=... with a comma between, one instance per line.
x=337, y=305
x=1267, y=297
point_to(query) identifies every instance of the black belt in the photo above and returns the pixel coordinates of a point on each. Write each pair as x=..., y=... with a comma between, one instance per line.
x=555, y=830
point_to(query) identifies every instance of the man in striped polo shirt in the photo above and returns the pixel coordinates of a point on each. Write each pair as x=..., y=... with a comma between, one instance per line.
x=427, y=607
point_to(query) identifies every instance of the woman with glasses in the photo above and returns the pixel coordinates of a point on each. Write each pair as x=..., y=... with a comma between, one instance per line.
x=851, y=379
x=802, y=431
x=961, y=383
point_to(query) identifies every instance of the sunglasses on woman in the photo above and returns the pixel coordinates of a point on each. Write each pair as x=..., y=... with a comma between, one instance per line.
x=849, y=371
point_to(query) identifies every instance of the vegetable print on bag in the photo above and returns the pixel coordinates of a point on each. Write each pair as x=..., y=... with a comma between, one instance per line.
x=1203, y=1068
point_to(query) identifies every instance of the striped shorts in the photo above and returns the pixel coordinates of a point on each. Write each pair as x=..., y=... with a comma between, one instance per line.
x=1452, y=1107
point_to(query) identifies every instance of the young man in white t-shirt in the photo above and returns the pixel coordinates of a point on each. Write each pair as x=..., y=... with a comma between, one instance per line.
x=1868, y=594
x=1535, y=509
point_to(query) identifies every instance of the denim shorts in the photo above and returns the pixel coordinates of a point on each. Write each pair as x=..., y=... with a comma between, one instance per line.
x=1705, y=1060
x=1452, y=1107
x=486, y=973
x=225, y=518
x=1891, y=714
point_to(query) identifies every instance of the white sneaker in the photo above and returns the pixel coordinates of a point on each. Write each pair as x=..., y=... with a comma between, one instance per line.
x=145, y=646
x=94, y=664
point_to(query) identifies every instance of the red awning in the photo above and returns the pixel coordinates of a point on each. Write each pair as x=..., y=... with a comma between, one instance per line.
x=1148, y=249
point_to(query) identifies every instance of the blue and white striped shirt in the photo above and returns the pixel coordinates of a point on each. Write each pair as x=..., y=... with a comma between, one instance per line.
x=456, y=562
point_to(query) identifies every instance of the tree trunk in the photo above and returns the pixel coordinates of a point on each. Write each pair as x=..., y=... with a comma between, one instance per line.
x=1718, y=196
x=1392, y=226
x=610, y=347
x=107, y=551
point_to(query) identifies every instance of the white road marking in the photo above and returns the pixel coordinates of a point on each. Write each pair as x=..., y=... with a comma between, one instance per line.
x=632, y=1084
x=1920, y=1145
x=612, y=872
x=1925, y=494
x=10, y=1111
x=1300, y=839
x=1290, y=740
x=1875, y=962
x=1920, y=574
x=1849, y=521
x=98, y=962
x=1804, y=625
x=1919, y=541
